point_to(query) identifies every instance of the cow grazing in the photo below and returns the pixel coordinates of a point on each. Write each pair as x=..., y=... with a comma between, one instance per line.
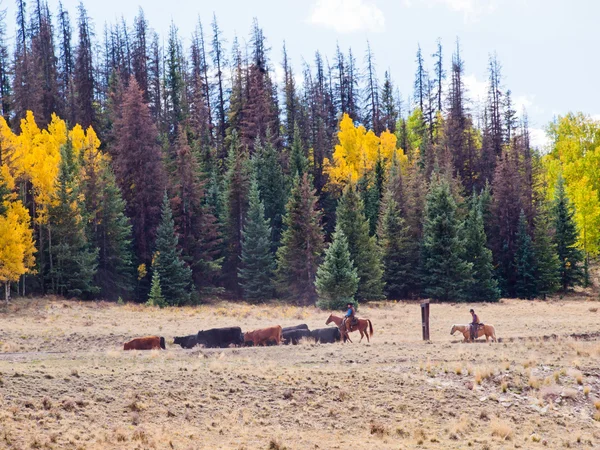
x=220, y=337
x=186, y=341
x=302, y=326
x=326, y=335
x=264, y=335
x=293, y=336
x=145, y=343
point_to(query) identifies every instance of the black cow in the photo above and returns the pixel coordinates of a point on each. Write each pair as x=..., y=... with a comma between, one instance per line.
x=302, y=326
x=186, y=341
x=326, y=335
x=294, y=336
x=220, y=337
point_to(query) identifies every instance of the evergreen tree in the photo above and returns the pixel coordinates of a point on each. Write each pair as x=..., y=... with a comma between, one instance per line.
x=196, y=225
x=84, y=72
x=168, y=262
x=258, y=261
x=72, y=260
x=337, y=280
x=301, y=244
x=298, y=160
x=139, y=168
x=565, y=238
x=237, y=184
x=109, y=228
x=395, y=248
x=446, y=273
x=271, y=185
x=484, y=287
x=364, y=251
x=525, y=263
x=155, y=298
x=547, y=264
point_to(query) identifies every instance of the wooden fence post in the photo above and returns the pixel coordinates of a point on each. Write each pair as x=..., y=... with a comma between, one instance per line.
x=425, y=319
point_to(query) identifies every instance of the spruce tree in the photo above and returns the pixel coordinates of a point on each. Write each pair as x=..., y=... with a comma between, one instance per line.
x=395, y=248
x=111, y=233
x=525, y=263
x=337, y=280
x=565, y=238
x=258, y=261
x=235, y=200
x=301, y=244
x=484, y=287
x=446, y=272
x=271, y=185
x=298, y=160
x=364, y=251
x=168, y=263
x=73, y=261
x=546, y=257
x=155, y=298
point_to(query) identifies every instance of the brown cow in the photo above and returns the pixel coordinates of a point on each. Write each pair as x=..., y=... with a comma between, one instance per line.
x=262, y=336
x=145, y=343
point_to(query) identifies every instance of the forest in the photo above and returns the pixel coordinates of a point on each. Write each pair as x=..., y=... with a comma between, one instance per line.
x=134, y=170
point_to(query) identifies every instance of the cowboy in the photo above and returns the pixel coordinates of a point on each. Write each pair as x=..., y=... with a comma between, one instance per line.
x=350, y=314
x=474, y=325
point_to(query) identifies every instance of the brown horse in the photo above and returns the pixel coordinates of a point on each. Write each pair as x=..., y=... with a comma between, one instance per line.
x=488, y=330
x=360, y=325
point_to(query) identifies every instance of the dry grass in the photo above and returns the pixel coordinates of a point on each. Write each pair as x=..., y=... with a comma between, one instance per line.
x=501, y=429
x=74, y=385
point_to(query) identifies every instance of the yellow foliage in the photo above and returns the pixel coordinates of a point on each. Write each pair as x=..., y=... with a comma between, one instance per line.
x=16, y=242
x=358, y=151
x=576, y=155
x=33, y=157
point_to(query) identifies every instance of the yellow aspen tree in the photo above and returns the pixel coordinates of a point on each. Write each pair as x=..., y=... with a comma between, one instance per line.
x=16, y=245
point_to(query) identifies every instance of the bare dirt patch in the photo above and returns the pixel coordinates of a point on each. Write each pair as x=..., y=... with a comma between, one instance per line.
x=66, y=383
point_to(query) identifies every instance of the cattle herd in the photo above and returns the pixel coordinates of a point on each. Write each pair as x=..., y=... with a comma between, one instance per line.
x=234, y=337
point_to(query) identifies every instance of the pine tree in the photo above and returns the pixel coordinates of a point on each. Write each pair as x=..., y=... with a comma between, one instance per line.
x=336, y=280
x=395, y=248
x=301, y=244
x=546, y=257
x=168, y=263
x=446, y=273
x=484, y=287
x=364, y=251
x=257, y=260
x=72, y=260
x=565, y=238
x=155, y=298
x=525, y=263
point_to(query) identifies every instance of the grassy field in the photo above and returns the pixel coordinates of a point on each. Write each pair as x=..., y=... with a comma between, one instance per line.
x=66, y=383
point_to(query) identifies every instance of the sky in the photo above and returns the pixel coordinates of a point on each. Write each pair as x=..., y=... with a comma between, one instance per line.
x=548, y=49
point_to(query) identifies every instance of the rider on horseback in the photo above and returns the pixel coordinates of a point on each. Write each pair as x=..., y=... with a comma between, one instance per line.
x=474, y=325
x=350, y=315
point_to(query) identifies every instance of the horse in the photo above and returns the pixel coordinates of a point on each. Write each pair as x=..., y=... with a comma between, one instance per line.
x=360, y=325
x=488, y=330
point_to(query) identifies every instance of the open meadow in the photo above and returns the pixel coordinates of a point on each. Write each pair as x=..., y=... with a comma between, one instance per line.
x=65, y=381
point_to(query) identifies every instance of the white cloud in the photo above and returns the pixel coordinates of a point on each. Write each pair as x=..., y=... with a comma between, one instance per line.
x=476, y=89
x=539, y=138
x=348, y=16
x=596, y=117
x=471, y=9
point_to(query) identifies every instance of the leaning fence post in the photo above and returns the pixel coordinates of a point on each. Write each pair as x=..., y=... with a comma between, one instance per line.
x=425, y=319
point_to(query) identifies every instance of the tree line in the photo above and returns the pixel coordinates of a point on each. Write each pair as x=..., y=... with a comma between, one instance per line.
x=171, y=173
